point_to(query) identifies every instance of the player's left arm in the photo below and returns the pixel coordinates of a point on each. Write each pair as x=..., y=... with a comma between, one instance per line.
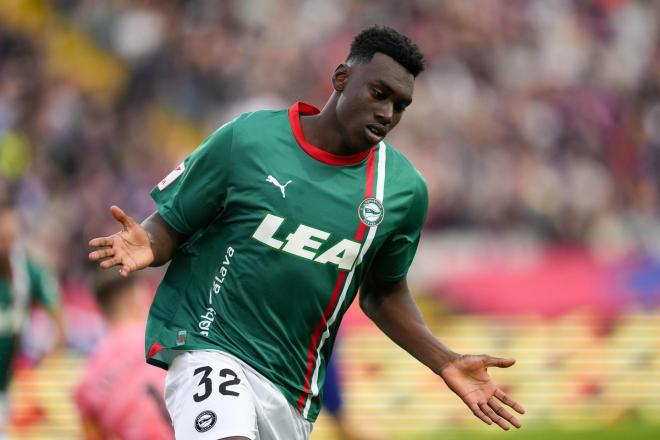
x=389, y=305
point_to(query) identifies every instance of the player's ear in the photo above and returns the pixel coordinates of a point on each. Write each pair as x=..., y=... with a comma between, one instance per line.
x=340, y=77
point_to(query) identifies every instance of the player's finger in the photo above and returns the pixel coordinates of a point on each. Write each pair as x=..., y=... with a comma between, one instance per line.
x=494, y=417
x=101, y=253
x=128, y=266
x=479, y=413
x=509, y=401
x=491, y=361
x=110, y=262
x=101, y=241
x=121, y=216
x=502, y=412
x=125, y=270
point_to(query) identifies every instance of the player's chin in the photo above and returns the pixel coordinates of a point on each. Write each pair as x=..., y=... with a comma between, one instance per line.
x=362, y=142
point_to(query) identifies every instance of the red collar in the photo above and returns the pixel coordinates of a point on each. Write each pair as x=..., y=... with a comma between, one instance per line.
x=301, y=108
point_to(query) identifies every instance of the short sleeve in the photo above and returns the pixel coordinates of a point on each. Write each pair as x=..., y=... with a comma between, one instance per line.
x=43, y=286
x=395, y=256
x=193, y=194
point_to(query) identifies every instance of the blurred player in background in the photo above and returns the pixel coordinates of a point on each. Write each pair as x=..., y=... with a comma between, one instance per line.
x=22, y=283
x=272, y=225
x=119, y=395
x=333, y=403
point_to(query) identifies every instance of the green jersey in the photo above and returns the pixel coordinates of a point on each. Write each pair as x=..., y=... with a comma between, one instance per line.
x=29, y=282
x=280, y=236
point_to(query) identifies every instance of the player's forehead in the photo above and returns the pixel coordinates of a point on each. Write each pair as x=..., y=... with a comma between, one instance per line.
x=384, y=70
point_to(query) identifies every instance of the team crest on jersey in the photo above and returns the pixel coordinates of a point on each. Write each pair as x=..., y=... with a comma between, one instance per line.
x=205, y=421
x=371, y=211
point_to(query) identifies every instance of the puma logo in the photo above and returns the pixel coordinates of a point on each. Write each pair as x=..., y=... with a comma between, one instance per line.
x=274, y=181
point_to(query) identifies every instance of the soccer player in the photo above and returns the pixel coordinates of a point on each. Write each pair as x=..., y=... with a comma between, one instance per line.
x=22, y=282
x=119, y=396
x=271, y=225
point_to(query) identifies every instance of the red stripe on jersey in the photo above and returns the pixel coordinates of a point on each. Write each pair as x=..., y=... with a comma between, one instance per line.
x=359, y=235
x=300, y=108
x=154, y=349
x=315, y=338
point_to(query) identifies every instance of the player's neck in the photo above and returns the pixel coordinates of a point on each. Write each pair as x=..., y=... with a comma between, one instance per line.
x=318, y=132
x=322, y=131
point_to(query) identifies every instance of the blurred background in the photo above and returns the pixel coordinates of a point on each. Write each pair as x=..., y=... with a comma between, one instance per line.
x=536, y=126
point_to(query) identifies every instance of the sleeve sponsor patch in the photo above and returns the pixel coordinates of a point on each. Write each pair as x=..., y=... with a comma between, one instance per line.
x=174, y=174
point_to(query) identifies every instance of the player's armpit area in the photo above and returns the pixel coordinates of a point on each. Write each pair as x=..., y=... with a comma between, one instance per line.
x=374, y=290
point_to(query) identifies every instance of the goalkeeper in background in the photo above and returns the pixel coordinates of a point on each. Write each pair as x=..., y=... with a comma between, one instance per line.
x=119, y=395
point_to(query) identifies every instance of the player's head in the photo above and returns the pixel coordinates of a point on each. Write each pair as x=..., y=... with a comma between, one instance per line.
x=374, y=85
x=385, y=40
x=119, y=298
x=9, y=226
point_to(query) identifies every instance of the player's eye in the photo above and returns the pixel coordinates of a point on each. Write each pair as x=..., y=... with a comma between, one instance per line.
x=377, y=93
x=399, y=108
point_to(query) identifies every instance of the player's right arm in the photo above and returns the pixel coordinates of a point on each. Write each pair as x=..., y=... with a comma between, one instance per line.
x=136, y=246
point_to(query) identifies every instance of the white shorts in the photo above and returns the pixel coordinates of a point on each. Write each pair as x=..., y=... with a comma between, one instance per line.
x=213, y=395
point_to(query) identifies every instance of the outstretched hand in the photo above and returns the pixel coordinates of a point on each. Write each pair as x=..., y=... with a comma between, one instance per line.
x=467, y=377
x=130, y=248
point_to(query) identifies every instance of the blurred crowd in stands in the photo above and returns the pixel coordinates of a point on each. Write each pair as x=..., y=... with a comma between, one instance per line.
x=541, y=117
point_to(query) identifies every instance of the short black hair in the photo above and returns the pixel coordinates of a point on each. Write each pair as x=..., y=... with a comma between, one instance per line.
x=388, y=41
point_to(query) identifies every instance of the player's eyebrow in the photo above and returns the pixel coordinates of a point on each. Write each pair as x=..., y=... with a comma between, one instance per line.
x=384, y=85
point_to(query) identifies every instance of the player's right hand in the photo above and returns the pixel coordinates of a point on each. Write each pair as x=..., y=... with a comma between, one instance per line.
x=129, y=248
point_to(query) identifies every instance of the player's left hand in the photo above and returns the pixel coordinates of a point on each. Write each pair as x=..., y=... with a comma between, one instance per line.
x=467, y=377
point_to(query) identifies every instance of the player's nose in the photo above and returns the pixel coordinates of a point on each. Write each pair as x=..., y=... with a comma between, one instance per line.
x=384, y=114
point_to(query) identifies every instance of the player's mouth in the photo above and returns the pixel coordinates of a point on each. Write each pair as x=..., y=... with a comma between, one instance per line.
x=375, y=133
